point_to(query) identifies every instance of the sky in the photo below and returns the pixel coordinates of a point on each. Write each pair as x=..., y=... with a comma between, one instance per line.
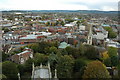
x=102, y=5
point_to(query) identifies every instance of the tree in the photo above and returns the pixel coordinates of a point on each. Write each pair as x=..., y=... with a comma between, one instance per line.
x=111, y=33
x=62, y=23
x=107, y=62
x=79, y=68
x=63, y=52
x=40, y=58
x=114, y=60
x=21, y=68
x=105, y=55
x=69, y=20
x=9, y=69
x=42, y=46
x=79, y=63
x=112, y=51
x=118, y=70
x=96, y=69
x=4, y=56
x=78, y=23
x=5, y=29
x=113, y=55
x=72, y=51
x=34, y=47
x=53, y=50
x=91, y=52
x=65, y=66
x=28, y=65
x=81, y=49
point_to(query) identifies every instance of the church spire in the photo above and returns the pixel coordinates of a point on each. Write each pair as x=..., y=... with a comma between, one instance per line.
x=89, y=40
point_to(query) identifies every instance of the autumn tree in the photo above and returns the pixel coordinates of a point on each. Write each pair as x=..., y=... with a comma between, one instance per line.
x=96, y=69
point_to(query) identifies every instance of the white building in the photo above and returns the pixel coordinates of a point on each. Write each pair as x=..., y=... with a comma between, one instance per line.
x=81, y=27
x=42, y=72
x=111, y=43
x=101, y=34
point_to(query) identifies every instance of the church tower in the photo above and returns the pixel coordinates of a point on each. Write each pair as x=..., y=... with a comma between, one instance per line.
x=89, y=39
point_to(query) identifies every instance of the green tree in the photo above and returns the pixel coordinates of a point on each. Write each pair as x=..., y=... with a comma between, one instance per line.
x=96, y=69
x=91, y=52
x=78, y=23
x=34, y=47
x=21, y=68
x=79, y=68
x=57, y=22
x=112, y=51
x=28, y=65
x=9, y=69
x=40, y=58
x=118, y=67
x=72, y=51
x=69, y=20
x=4, y=56
x=53, y=50
x=114, y=60
x=111, y=33
x=81, y=49
x=5, y=29
x=63, y=52
x=43, y=45
x=107, y=62
x=62, y=23
x=79, y=63
x=65, y=66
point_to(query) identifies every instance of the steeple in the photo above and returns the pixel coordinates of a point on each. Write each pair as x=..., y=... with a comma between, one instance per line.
x=89, y=40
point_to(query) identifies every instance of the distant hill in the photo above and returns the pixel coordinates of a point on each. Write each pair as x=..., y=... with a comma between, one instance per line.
x=80, y=11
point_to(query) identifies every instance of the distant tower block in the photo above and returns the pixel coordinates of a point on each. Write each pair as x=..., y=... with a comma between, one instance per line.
x=89, y=40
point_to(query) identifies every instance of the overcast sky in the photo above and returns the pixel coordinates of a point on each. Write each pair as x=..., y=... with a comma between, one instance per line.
x=104, y=5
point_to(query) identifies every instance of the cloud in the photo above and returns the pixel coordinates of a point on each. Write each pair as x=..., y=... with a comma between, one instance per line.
x=58, y=4
x=96, y=4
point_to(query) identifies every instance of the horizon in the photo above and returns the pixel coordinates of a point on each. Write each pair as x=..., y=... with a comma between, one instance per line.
x=58, y=10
